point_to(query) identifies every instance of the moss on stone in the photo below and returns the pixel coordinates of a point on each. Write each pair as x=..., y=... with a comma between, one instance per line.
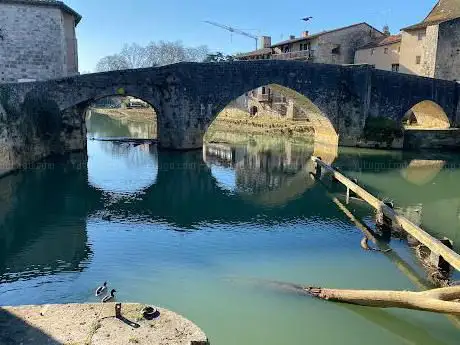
x=382, y=129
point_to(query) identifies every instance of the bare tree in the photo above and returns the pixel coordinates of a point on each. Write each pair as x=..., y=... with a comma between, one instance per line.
x=197, y=54
x=165, y=53
x=154, y=54
x=111, y=63
x=135, y=56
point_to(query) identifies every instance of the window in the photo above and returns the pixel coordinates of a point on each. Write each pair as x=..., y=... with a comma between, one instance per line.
x=263, y=90
x=385, y=51
x=395, y=67
x=336, y=50
x=399, y=49
x=372, y=51
x=418, y=60
x=420, y=35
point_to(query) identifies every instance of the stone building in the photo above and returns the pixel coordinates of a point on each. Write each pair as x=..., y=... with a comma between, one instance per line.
x=37, y=40
x=382, y=53
x=430, y=48
x=336, y=46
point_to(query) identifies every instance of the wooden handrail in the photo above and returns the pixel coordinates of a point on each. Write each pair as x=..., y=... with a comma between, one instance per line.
x=422, y=236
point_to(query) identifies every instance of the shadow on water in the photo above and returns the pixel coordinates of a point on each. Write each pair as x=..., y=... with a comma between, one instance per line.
x=398, y=326
x=42, y=228
x=14, y=331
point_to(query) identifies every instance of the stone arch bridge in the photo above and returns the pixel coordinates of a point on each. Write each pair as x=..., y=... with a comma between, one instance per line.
x=41, y=118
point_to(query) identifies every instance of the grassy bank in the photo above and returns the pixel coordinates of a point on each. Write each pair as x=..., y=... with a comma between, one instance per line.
x=235, y=121
x=139, y=114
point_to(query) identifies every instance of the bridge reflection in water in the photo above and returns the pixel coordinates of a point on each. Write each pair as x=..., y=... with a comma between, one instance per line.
x=164, y=226
x=267, y=175
x=241, y=180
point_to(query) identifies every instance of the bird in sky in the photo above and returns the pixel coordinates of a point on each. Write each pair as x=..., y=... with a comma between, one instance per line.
x=306, y=19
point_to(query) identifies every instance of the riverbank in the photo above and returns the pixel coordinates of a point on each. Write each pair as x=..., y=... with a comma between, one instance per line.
x=237, y=121
x=138, y=114
x=80, y=324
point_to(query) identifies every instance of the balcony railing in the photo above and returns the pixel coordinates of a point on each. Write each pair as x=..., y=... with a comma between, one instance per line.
x=299, y=55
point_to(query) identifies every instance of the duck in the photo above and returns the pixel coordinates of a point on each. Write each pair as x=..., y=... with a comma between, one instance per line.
x=101, y=289
x=108, y=298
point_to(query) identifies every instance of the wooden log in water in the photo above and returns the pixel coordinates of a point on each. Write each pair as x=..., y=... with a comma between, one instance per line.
x=442, y=300
x=423, y=237
x=126, y=140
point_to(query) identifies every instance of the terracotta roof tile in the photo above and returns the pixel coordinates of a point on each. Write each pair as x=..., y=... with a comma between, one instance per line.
x=382, y=41
x=443, y=11
x=319, y=34
x=263, y=51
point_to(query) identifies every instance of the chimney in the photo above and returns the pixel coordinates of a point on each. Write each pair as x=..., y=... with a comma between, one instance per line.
x=292, y=37
x=305, y=34
x=265, y=42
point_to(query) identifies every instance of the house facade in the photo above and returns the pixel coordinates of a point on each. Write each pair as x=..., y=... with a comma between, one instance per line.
x=37, y=40
x=430, y=48
x=336, y=46
x=382, y=53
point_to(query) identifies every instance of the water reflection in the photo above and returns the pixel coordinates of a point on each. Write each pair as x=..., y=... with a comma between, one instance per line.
x=99, y=125
x=265, y=175
x=35, y=206
x=183, y=229
x=121, y=168
x=422, y=171
x=424, y=186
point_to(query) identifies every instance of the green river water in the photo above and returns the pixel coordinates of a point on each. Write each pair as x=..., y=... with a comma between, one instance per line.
x=209, y=233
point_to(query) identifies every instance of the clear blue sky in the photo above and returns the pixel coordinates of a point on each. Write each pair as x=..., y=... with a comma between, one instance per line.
x=108, y=24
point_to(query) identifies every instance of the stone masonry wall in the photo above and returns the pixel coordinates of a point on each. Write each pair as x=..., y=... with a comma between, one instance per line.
x=349, y=40
x=432, y=139
x=43, y=118
x=33, y=42
x=448, y=55
x=430, y=45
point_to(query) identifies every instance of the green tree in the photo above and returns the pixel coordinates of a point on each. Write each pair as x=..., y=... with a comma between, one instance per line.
x=219, y=57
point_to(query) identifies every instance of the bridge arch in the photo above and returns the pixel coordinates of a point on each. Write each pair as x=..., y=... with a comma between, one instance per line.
x=136, y=117
x=272, y=102
x=426, y=115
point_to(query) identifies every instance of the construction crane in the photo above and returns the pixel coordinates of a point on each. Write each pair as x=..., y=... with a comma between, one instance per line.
x=233, y=30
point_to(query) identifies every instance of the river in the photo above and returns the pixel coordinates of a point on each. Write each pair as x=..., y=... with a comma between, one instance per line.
x=208, y=234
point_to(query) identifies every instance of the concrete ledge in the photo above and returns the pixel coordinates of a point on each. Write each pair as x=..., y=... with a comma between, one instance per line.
x=415, y=139
x=96, y=324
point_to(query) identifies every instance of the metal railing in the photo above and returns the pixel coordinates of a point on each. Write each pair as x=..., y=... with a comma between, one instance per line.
x=301, y=54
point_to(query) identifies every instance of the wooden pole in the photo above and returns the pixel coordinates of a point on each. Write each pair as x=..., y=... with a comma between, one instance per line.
x=423, y=237
x=404, y=267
